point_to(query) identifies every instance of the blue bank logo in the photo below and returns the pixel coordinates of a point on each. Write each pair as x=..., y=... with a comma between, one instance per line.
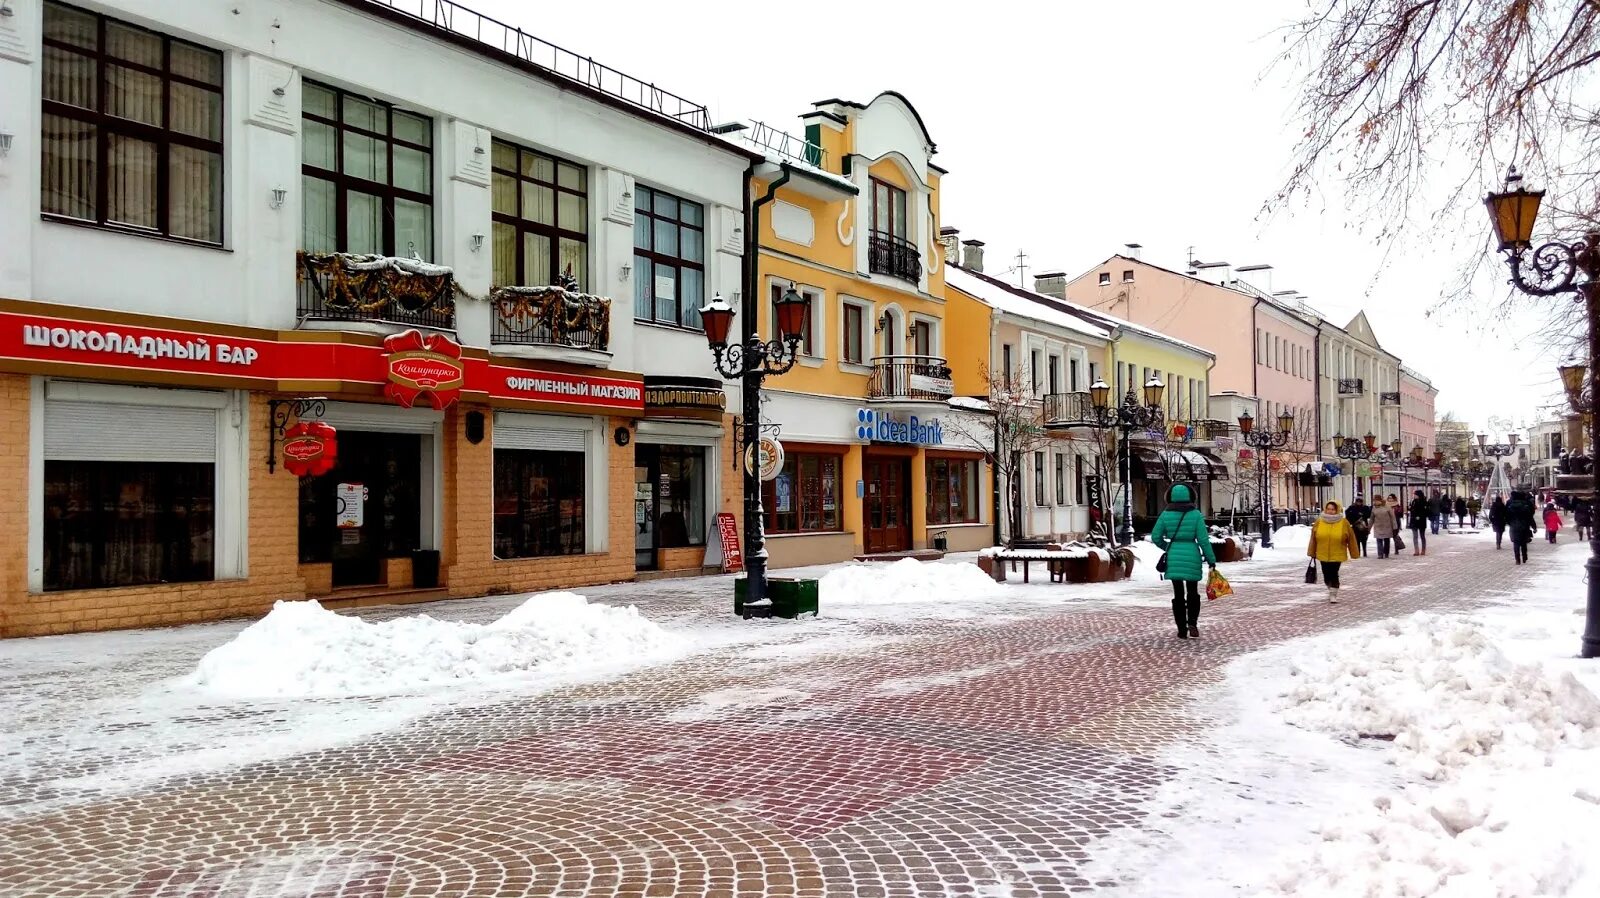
x=883, y=428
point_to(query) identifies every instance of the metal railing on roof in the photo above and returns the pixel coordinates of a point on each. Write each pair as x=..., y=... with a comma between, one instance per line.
x=447, y=15
x=763, y=136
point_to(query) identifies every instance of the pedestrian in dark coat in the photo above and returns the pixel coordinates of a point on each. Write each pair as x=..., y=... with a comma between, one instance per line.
x=1519, y=520
x=1461, y=511
x=1421, y=512
x=1438, y=506
x=1497, y=519
x=1583, y=518
x=1399, y=521
x=1359, y=514
x=1181, y=532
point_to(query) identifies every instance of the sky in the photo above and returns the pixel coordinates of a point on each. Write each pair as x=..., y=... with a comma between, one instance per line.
x=1070, y=129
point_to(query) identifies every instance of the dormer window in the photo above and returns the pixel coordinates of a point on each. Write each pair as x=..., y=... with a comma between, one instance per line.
x=1105, y=278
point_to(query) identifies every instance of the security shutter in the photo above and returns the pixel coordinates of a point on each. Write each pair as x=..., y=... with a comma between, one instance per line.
x=382, y=418
x=104, y=431
x=517, y=432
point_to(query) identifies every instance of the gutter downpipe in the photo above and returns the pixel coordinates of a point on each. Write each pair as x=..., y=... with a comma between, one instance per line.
x=755, y=541
x=994, y=426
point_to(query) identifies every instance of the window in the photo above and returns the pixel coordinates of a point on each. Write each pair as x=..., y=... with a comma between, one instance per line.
x=111, y=523
x=1094, y=372
x=777, y=290
x=1039, y=497
x=541, y=218
x=1061, y=479
x=1077, y=480
x=922, y=338
x=682, y=493
x=888, y=210
x=1033, y=370
x=804, y=497
x=1127, y=275
x=669, y=249
x=1072, y=375
x=854, y=339
x=1054, y=371
x=367, y=175
x=132, y=127
x=1006, y=363
x=538, y=503
x=952, y=491
x=1105, y=278
x=890, y=250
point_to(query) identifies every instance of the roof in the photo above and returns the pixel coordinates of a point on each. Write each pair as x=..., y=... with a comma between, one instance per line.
x=1000, y=297
x=1246, y=290
x=932, y=147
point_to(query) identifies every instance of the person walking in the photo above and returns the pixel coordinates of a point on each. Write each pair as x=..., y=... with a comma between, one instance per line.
x=1359, y=514
x=1461, y=512
x=1333, y=542
x=1385, y=525
x=1583, y=518
x=1552, y=522
x=1181, y=533
x=1421, y=515
x=1519, y=518
x=1497, y=519
x=1399, y=520
x=1437, y=507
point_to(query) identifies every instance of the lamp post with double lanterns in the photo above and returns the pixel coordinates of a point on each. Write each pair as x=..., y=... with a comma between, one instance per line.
x=1556, y=268
x=1353, y=450
x=751, y=362
x=1125, y=418
x=1264, y=442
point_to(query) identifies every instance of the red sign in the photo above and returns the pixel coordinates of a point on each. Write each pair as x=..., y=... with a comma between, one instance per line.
x=556, y=386
x=423, y=366
x=310, y=448
x=728, y=529
x=1277, y=464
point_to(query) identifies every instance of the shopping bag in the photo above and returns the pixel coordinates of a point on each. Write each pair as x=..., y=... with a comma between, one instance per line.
x=1217, y=585
x=1398, y=542
x=1311, y=571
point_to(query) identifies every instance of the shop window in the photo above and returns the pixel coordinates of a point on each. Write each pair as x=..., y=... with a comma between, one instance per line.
x=386, y=464
x=669, y=249
x=952, y=491
x=805, y=496
x=541, y=218
x=367, y=176
x=128, y=523
x=538, y=503
x=132, y=127
x=681, y=493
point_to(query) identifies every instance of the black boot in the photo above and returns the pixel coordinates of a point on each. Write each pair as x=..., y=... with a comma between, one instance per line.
x=1177, y=617
x=1194, y=617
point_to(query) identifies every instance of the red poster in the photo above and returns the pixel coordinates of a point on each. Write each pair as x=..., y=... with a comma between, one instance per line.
x=423, y=366
x=728, y=529
x=310, y=448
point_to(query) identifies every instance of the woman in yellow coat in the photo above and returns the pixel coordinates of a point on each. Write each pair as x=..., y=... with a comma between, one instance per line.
x=1333, y=541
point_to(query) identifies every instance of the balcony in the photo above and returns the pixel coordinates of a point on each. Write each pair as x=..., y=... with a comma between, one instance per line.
x=910, y=378
x=1351, y=388
x=1067, y=408
x=550, y=322
x=893, y=256
x=385, y=291
x=1389, y=400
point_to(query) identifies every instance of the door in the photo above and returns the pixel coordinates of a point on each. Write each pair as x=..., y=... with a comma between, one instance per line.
x=887, y=503
x=367, y=509
x=646, y=477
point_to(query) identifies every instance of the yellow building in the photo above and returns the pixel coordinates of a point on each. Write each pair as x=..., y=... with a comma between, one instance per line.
x=875, y=457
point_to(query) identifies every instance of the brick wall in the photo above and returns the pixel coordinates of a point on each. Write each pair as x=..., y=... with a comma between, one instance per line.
x=688, y=558
x=732, y=478
x=470, y=568
x=273, y=548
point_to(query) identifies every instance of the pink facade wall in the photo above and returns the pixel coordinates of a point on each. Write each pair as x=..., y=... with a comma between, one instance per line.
x=1416, y=414
x=1286, y=372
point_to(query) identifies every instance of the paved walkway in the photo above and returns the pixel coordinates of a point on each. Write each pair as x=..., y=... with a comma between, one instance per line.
x=879, y=758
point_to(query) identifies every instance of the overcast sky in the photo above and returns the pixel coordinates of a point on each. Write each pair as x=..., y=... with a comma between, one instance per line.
x=1070, y=129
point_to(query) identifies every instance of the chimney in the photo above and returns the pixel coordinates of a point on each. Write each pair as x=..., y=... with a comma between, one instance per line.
x=1133, y=250
x=1257, y=276
x=1051, y=283
x=972, y=255
x=950, y=240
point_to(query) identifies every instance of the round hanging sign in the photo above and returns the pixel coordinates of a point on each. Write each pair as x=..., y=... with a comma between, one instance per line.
x=310, y=448
x=771, y=459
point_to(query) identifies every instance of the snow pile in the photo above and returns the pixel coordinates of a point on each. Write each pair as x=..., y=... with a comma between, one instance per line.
x=1293, y=538
x=1444, y=692
x=906, y=581
x=302, y=649
x=1145, y=554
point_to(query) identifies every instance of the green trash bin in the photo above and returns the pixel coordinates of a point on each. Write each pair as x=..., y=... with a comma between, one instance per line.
x=791, y=596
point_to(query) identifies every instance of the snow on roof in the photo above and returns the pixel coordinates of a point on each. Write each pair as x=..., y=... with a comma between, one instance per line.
x=1008, y=300
x=1136, y=328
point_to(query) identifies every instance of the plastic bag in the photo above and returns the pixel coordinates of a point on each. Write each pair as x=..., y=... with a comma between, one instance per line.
x=1217, y=585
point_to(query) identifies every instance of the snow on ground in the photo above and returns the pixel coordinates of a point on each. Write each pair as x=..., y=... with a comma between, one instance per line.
x=1434, y=755
x=301, y=649
x=906, y=581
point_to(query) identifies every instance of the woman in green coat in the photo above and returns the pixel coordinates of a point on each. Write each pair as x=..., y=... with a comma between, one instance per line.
x=1181, y=533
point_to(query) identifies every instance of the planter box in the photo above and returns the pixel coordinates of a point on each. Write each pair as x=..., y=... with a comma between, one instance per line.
x=791, y=596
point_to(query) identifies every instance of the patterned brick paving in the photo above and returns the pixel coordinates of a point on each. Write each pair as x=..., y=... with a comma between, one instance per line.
x=951, y=757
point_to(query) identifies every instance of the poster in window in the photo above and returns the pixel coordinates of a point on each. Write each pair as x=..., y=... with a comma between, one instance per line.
x=785, y=495
x=350, y=501
x=666, y=287
x=666, y=486
x=829, y=503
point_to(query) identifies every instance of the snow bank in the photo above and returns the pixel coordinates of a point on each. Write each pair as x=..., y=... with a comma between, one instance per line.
x=302, y=649
x=1145, y=554
x=906, y=581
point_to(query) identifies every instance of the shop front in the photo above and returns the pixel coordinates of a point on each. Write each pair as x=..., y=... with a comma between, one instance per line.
x=170, y=471
x=682, y=467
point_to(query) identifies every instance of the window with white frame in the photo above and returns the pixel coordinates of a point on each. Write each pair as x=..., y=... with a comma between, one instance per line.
x=853, y=331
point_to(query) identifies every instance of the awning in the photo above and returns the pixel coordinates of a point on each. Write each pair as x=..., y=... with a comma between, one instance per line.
x=1216, y=469
x=1176, y=465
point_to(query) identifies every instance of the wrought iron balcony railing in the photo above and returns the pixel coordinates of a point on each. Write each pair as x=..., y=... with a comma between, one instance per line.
x=1350, y=387
x=354, y=287
x=1389, y=399
x=1067, y=408
x=920, y=377
x=893, y=256
x=550, y=316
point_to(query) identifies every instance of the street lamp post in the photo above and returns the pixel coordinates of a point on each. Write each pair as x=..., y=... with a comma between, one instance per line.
x=1125, y=418
x=1553, y=269
x=1352, y=450
x=751, y=362
x=1264, y=442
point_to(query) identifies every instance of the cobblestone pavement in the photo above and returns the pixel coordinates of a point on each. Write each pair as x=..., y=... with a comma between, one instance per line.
x=875, y=758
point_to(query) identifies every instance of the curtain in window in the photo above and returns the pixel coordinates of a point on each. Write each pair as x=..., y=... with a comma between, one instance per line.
x=538, y=503
x=127, y=523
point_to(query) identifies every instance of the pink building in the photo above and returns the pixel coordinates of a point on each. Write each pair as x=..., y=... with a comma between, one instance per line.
x=1265, y=344
x=1416, y=411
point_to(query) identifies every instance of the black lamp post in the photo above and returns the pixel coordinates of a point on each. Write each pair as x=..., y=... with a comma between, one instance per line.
x=1352, y=450
x=1127, y=417
x=751, y=362
x=1553, y=269
x=1264, y=442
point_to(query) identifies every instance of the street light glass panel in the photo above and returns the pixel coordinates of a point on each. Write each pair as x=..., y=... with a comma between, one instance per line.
x=1100, y=394
x=1247, y=423
x=1572, y=377
x=1153, y=388
x=1513, y=212
x=1338, y=440
x=791, y=314
x=716, y=317
x=1397, y=447
x=1285, y=423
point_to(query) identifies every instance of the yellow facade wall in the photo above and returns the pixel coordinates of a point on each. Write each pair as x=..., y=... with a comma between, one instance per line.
x=968, y=338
